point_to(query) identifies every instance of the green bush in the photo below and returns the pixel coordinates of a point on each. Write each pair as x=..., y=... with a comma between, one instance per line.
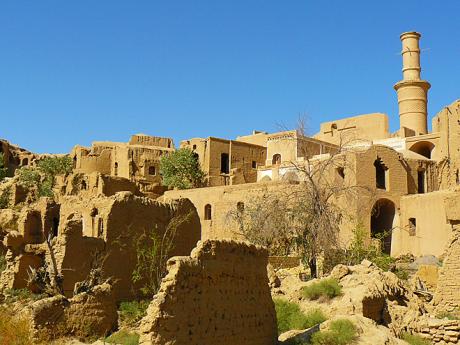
x=29, y=177
x=325, y=288
x=454, y=315
x=340, y=332
x=3, y=168
x=181, y=169
x=414, y=339
x=5, y=198
x=124, y=338
x=131, y=312
x=14, y=295
x=290, y=316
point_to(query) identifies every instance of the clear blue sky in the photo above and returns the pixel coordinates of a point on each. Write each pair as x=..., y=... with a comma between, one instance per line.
x=76, y=71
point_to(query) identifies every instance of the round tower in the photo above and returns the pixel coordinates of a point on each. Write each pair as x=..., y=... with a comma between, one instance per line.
x=412, y=91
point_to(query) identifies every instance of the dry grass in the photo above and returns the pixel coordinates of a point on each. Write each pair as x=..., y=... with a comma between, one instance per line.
x=14, y=329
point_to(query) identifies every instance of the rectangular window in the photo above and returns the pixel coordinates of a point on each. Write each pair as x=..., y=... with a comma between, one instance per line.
x=254, y=164
x=412, y=226
x=421, y=181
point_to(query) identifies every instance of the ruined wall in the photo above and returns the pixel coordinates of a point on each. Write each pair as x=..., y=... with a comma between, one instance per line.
x=218, y=295
x=442, y=332
x=446, y=123
x=447, y=296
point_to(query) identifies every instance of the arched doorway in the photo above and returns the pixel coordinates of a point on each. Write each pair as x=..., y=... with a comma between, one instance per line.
x=423, y=148
x=382, y=222
x=276, y=159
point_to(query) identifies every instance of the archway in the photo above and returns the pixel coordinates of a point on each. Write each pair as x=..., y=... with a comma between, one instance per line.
x=423, y=148
x=276, y=159
x=382, y=222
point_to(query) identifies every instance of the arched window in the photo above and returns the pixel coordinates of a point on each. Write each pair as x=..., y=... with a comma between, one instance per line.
x=207, y=212
x=25, y=161
x=333, y=129
x=276, y=160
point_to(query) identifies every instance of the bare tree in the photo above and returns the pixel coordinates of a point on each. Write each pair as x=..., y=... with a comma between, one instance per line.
x=304, y=217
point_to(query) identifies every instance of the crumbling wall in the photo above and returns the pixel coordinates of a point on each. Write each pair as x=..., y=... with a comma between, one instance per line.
x=437, y=331
x=447, y=296
x=89, y=314
x=218, y=295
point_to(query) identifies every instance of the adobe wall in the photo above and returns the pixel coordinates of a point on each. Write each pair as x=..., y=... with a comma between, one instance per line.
x=222, y=199
x=218, y=295
x=447, y=296
x=432, y=230
x=362, y=127
x=446, y=123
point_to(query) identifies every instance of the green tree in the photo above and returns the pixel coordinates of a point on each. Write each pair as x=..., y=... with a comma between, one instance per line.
x=3, y=168
x=181, y=169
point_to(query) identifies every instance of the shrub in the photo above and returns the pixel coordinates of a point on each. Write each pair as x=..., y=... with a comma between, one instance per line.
x=340, y=332
x=3, y=168
x=52, y=166
x=29, y=177
x=414, y=339
x=5, y=198
x=454, y=315
x=290, y=316
x=14, y=330
x=14, y=295
x=124, y=338
x=181, y=169
x=325, y=288
x=131, y=312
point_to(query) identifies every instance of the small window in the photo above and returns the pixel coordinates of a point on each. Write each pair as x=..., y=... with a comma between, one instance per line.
x=341, y=172
x=412, y=226
x=83, y=185
x=276, y=160
x=115, y=171
x=207, y=212
x=224, y=163
x=194, y=147
x=254, y=164
x=421, y=181
x=380, y=174
x=240, y=206
x=25, y=161
x=152, y=171
x=55, y=226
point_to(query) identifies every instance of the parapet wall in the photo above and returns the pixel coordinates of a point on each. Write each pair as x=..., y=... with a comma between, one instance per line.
x=218, y=295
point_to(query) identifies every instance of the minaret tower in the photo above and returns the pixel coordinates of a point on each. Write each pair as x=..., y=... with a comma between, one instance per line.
x=412, y=91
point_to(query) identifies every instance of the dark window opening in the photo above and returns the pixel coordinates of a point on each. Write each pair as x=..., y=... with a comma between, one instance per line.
x=116, y=169
x=194, y=147
x=100, y=228
x=55, y=226
x=341, y=172
x=380, y=174
x=276, y=160
x=25, y=161
x=224, y=163
x=412, y=226
x=240, y=206
x=457, y=176
x=382, y=219
x=421, y=181
x=83, y=185
x=254, y=164
x=152, y=170
x=207, y=212
x=74, y=161
x=169, y=144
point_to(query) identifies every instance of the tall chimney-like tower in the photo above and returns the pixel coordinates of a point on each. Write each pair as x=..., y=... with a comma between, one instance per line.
x=412, y=91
